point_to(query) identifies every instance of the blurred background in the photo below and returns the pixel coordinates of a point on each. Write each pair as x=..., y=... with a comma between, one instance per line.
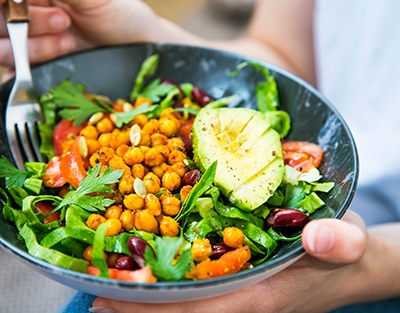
x=24, y=290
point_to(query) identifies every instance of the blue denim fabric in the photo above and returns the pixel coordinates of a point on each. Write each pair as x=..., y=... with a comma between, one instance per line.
x=81, y=303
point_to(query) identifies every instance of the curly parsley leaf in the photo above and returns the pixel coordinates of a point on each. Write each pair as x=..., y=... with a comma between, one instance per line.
x=12, y=175
x=93, y=183
x=163, y=265
x=75, y=105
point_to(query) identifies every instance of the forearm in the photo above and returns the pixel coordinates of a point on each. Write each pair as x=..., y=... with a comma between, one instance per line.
x=377, y=276
x=246, y=45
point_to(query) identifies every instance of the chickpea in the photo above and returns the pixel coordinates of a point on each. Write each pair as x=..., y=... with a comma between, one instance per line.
x=95, y=220
x=114, y=227
x=171, y=180
x=201, y=249
x=152, y=203
x=141, y=120
x=105, y=154
x=176, y=144
x=126, y=184
x=176, y=156
x=184, y=192
x=104, y=139
x=104, y=125
x=164, y=150
x=144, y=139
x=179, y=168
x=134, y=202
x=89, y=132
x=152, y=126
x=168, y=127
x=233, y=237
x=118, y=139
x=142, y=100
x=146, y=221
x=112, y=258
x=118, y=163
x=153, y=157
x=138, y=171
x=158, y=139
x=93, y=146
x=169, y=227
x=170, y=205
x=133, y=156
x=152, y=183
x=113, y=211
x=127, y=219
x=121, y=150
x=160, y=170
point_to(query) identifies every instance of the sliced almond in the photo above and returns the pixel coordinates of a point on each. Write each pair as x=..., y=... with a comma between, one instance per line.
x=134, y=135
x=127, y=107
x=83, y=147
x=139, y=187
x=113, y=118
x=95, y=118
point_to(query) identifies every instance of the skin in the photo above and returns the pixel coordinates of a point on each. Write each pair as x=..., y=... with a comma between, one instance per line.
x=345, y=262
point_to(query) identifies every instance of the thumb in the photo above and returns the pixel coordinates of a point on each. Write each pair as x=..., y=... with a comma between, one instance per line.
x=336, y=241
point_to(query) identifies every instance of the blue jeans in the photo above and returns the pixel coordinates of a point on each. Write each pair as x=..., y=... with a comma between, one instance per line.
x=82, y=302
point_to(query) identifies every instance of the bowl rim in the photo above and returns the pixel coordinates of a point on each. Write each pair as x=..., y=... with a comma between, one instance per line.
x=257, y=270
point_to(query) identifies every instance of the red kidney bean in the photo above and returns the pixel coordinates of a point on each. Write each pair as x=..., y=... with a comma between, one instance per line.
x=137, y=247
x=200, y=96
x=125, y=262
x=191, y=178
x=188, y=146
x=171, y=82
x=286, y=218
x=219, y=249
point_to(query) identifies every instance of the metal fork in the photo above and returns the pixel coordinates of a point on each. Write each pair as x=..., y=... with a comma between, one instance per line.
x=23, y=112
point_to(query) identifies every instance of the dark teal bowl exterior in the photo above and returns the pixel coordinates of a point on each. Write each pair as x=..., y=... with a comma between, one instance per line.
x=111, y=71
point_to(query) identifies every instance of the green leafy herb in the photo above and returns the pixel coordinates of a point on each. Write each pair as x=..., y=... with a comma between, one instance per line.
x=148, y=68
x=75, y=105
x=163, y=265
x=126, y=117
x=12, y=175
x=93, y=183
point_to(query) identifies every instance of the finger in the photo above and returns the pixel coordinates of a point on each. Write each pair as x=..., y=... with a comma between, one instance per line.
x=42, y=48
x=43, y=21
x=336, y=241
x=7, y=75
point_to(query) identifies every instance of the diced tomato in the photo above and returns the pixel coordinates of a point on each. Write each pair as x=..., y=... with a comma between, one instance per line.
x=229, y=263
x=64, y=130
x=53, y=177
x=46, y=207
x=302, y=155
x=72, y=165
x=143, y=275
x=185, y=130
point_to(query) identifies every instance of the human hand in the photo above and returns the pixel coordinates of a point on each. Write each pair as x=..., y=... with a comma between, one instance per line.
x=63, y=26
x=320, y=281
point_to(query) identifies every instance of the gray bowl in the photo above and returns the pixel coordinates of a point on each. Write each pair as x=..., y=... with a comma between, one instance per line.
x=111, y=71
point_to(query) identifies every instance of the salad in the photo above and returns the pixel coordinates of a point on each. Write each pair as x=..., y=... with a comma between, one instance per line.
x=168, y=185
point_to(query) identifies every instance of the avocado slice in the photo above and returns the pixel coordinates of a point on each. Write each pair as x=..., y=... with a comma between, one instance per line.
x=249, y=153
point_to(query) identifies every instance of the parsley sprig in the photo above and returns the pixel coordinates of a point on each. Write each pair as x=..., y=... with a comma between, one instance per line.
x=163, y=265
x=92, y=184
x=13, y=175
x=74, y=104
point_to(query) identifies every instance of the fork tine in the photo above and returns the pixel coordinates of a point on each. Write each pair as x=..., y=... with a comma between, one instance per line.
x=15, y=149
x=35, y=139
x=25, y=144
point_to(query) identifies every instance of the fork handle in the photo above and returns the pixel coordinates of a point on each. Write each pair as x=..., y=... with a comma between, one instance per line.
x=16, y=11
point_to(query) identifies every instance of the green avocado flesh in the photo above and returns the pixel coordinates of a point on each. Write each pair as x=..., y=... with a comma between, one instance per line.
x=249, y=154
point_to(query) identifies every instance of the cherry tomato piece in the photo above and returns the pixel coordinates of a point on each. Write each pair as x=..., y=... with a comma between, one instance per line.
x=45, y=207
x=62, y=132
x=302, y=155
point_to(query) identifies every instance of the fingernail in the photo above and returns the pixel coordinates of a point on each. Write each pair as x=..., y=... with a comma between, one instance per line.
x=58, y=21
x=322, y=240
x=101, y=310
x=67, y=43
